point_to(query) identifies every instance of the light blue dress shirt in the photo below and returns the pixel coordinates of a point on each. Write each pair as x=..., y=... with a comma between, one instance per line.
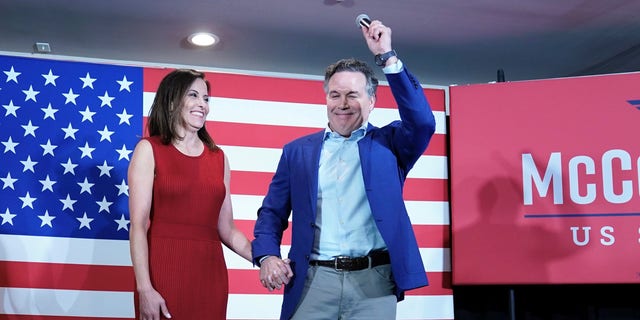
x=344, y=225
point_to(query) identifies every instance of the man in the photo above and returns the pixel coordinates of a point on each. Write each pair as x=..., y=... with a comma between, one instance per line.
x=353, y=249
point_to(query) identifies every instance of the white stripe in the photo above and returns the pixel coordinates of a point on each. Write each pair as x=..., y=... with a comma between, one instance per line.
x=434, y=259
x=77, y=303
x=252, y=159
x=266, y=160
x=116, y=252
x=235, y=261
x=428, y=212
x=254, y=306
x=245, y=207
x=430, y=167
x=383, y=116
x=268, y=307
x=65, y=250
x=285, y=113
x=268, y=112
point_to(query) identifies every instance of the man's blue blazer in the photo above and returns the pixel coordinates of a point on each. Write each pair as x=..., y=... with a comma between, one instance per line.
x=386, y=156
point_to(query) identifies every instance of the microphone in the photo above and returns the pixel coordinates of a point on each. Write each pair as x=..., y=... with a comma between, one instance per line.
x=363, y=20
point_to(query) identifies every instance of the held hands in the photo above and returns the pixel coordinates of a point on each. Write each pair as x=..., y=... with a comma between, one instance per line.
x=151, y=305
x=275, y=272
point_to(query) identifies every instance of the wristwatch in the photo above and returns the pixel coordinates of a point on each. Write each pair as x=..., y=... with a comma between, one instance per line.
x=381, y=59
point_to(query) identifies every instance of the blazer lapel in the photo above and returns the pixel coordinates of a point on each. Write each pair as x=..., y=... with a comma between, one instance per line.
x=311, y=161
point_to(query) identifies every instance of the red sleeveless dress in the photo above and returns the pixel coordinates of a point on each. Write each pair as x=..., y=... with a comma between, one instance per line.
x=186, y=262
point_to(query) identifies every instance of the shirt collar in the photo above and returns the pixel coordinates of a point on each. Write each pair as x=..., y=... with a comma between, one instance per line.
x=355, y=134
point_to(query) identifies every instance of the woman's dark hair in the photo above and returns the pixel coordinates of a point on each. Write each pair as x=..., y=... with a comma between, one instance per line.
x=352, y=65
x=165, y=114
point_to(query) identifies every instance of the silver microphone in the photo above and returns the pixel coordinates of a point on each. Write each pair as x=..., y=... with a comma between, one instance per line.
x=363, y=20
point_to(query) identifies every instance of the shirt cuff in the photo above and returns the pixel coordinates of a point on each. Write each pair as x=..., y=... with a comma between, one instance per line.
x=394, y=68
x=263, y=258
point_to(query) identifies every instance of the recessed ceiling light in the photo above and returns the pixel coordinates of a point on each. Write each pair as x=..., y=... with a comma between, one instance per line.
x=203, y=39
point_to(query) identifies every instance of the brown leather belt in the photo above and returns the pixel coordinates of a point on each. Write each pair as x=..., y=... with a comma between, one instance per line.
x=344, y=263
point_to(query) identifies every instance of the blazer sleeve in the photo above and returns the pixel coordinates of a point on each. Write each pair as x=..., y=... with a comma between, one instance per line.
x=273, y=214
x=412, y=134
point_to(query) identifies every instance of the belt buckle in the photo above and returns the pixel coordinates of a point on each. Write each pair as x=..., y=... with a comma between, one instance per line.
x=342, y=259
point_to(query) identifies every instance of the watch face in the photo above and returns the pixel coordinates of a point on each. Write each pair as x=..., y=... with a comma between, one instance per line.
x=379, y=60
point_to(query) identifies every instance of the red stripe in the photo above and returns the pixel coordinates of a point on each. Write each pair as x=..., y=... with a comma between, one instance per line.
x=437, y=145
x=255, y=135
x=415, y=189
x=248, y=282
x=270, y=136
x=432, y=236
x=384, y=99
x=426, y=190
x=250, y=183
x=66, y=276
x=428, y=236
x=280, y=89
x=439, y=284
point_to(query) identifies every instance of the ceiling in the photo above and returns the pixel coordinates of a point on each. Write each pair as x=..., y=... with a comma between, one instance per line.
x=443, y=42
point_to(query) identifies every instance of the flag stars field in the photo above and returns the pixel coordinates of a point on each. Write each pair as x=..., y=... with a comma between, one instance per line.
x=66, y=144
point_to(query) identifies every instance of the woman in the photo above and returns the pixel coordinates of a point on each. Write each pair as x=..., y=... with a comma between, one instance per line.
x=180, y=208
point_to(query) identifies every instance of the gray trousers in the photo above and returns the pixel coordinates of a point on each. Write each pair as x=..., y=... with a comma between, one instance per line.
x=347, y=295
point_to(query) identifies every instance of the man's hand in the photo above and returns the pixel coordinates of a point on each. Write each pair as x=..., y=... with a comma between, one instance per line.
x=378, y=37
x=275, y=272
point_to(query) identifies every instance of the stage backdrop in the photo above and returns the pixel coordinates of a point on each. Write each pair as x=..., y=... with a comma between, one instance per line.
x=68, y=129
x=545, y=181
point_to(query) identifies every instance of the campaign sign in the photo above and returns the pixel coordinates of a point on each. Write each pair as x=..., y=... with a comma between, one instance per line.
x=545, y=181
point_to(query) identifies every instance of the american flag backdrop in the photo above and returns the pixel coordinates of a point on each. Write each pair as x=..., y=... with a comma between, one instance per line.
x=78, y=264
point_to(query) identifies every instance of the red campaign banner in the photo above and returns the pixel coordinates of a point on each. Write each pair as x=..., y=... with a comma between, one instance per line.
x=545, y=181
